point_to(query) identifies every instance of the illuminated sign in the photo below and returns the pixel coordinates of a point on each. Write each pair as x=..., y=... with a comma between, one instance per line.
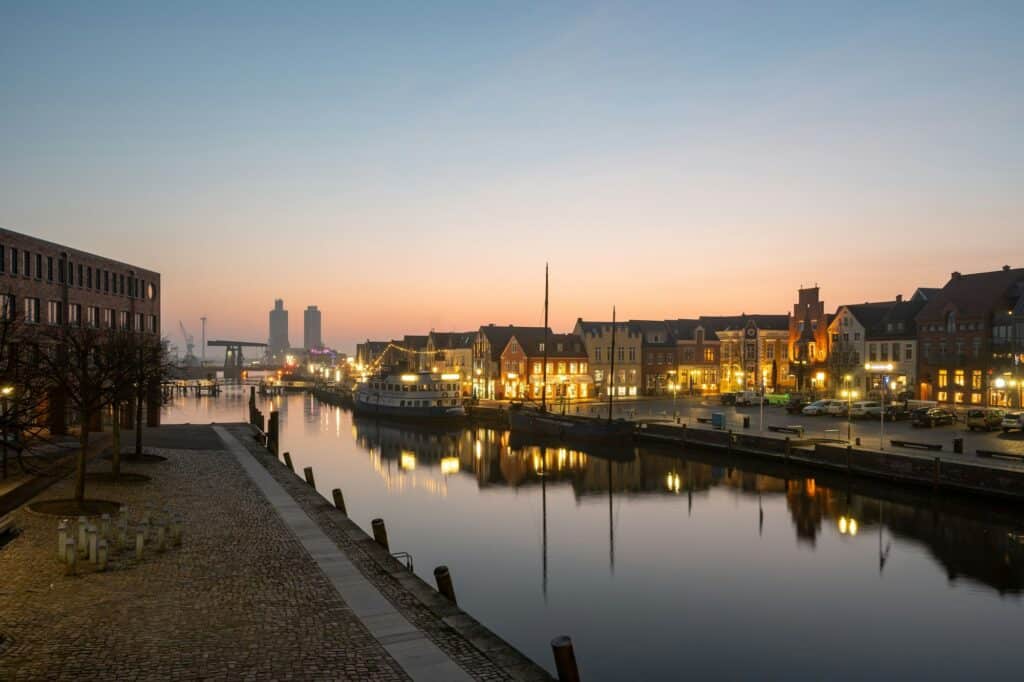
x=878, y=367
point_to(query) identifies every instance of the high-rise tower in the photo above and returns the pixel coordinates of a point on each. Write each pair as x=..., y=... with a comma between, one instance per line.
x=278, y=344
x=311, y=328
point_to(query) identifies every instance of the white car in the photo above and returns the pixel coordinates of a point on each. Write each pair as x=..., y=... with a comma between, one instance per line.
x=866, y=408
x=816, y=408
x=749, y=398
x=1013, y=420
x=837, y=408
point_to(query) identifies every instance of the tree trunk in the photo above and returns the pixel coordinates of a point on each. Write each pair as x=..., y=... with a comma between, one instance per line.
x=138, y=425
x=83, y=441
x=115, y=454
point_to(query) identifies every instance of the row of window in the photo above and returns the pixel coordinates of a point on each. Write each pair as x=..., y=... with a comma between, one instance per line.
x=58, y=313
x=958, y=348
x=689, y=354
x=621, y=353
x=64, y=271
x=572, y=367
x=959, y=377
x=382, y=386
x=885, y=351
x=958, y=397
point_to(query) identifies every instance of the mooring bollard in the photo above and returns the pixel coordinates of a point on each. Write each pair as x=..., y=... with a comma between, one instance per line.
x=444, y=582
x=288, y=462
x=565, y=659
x=161, y=538
x=62, y=538
x=785, y=451
x=308, y=472
x=92, y=543
x=82, y=544
x=105, y=526
x=339, y=500
x=849, y=451
x=273, y=432
x=938, y=471
x=101, y=555
x=380, y=533
x=71, y=556
x=140, y=543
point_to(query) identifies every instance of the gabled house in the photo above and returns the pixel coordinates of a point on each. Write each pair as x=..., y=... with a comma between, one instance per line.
x=488, y=345
x=522, y=362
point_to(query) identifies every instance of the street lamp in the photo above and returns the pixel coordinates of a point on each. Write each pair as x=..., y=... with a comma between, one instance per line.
x=5, y=393
x=674, y=387
x=850, y=395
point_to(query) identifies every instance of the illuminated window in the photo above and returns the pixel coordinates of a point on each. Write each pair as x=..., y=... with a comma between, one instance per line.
x=958, y=377
x=975, y=398
x=597, y=354
x=943, y=378
x=976, y=379
x=583, y=368
x=551, y=368
x=709, y=355
x=561, y=368
x=537, y=367
x=573, y=367
x=958, y=397
x=942, y=396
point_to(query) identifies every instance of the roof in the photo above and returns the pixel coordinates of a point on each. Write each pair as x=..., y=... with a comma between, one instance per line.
x=721, y=323
x=498, y=337
x=888, y=319
x=530, y=339
x=452, y=340
x=415, y=341
x=659, y=328
x=974, y=295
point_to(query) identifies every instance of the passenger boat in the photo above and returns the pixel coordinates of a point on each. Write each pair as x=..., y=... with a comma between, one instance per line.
x=410, y=395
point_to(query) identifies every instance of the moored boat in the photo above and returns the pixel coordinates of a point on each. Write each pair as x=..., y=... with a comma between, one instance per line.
x=570, y=428
x=410, y=395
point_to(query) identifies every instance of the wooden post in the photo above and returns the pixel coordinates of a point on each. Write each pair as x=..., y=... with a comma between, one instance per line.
x=380, y=533
x=444, y=582
x=339, y=500
x=785, y=450
x=288, y=461
x=272, y=433
x=729, y=449
x=938, y=471
x=849, y=449
x=308, y=471
x=565, y=659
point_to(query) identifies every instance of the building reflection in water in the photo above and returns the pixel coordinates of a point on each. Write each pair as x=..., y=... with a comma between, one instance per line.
x=988, y=549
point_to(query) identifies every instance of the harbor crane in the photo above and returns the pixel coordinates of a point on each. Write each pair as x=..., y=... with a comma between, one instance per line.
x=190, y=357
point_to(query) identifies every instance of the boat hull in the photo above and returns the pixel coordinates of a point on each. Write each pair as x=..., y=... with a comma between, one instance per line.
x=569, y=428
x=426, y=413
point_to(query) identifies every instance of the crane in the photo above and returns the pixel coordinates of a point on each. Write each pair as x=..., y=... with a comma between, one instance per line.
x=190, y=344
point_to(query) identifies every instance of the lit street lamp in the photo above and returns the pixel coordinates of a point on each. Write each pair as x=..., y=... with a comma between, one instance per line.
x=850, y=395
x=5, y=393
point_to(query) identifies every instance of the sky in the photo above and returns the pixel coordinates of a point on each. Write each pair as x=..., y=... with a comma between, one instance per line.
x=412, y=166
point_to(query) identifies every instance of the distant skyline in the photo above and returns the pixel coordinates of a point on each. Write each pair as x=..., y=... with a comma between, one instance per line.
x=412, y=166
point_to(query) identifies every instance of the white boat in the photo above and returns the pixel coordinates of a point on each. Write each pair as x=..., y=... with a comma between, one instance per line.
x=411, y=395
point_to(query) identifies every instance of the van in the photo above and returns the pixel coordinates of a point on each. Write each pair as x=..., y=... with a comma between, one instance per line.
x=749, y=398
x=866, y=408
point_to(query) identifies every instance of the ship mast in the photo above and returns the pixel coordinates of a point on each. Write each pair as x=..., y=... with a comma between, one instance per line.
x=544, y=371
x=611, y=372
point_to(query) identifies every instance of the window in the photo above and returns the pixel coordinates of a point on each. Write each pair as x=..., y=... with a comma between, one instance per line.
x=597, y=353
x=74, y=313
x=88, y=277
x=108, y=318
x=81, y=270
x=92, y=316
x=49, y=268
x=942, y=396
x=14, y=261
x=573, y=368
x=122, y=285
x=551, y=368
x=54, y=312
x=896, y=352
x=32, y=310
x=958, y=377
x=943, y=378
x=950, y=322
x=622, y=354
x=513, y=347
x=632, y=354
x=106, y=281
x=561, y=368
x=62, y=267
x=872, y=352
x=537, y=368
x=709, y=355
x=908, y=352
x=28, y=264
x=583, y=368
x=8, y=306
x=846, y=337
x=976, y=347
x=39, y=266
x=975, y=398
x=139, y=323
x=540, y=346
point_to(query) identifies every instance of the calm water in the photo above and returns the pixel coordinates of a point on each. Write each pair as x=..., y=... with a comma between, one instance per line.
x=663, y=567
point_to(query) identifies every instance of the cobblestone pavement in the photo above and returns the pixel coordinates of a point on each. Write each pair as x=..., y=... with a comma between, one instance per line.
x=240, y=599
x=496, y=664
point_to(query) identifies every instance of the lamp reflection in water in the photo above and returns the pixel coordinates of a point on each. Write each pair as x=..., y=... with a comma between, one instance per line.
x=449, y=465
x=847, y=525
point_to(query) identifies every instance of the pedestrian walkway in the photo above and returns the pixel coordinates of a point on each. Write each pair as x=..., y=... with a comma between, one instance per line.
x=410, y=647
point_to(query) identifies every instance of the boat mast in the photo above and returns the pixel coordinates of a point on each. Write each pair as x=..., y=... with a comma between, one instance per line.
x=544, y=371
x=611, y=372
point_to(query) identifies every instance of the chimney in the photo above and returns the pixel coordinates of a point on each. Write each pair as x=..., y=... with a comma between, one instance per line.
x=899, y=298
x=955, y=275
x=1005, y=268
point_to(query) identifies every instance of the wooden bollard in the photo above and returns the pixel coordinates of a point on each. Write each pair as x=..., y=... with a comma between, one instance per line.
x=288, y=462
x=380, y=533
x=339, y=500
x=849, y=450
x=308, y=472
x=444, y=582
x=273, y=431
x=938, y=471
x=786, y=449
x=565, y=659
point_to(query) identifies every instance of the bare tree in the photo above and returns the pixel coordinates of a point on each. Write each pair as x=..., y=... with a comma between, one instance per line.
x=148, y=366
x=82, y=365
x=23, y=388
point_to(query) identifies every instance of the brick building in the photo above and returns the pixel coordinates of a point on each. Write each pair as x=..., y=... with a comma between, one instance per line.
x=52, y=284
x=659, y=365
x=960, y=333
x=522, y=364
x=698, y=352
x=808, y=343
x=753, y=351
x=488, y=346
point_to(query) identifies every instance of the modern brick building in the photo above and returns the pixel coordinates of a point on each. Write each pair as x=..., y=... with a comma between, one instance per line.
x=967, y=343
x=53, y=284
x=522, y=364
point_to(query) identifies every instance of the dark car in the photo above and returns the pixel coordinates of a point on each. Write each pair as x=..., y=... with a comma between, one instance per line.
x=895, y=413
x=728, y=398
x=932, y=416
x=796, y=404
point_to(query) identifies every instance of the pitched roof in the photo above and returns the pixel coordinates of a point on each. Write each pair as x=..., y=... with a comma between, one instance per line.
x=415, y=341
x=498, y=337
x=558, y=345
x=721, y=323
x=974, y=295
x=452, y=340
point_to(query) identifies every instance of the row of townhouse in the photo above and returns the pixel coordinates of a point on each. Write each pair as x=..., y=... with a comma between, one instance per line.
x=959, y=344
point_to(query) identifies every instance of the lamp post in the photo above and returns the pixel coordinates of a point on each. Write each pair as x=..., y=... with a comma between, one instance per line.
x=882, y=370
x=5, y=393
x=849, y=393
x=674, y=387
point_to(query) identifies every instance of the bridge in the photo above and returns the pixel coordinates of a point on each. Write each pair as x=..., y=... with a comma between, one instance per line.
x=234, y=361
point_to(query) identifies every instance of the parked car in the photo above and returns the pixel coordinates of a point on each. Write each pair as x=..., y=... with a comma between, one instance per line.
x=984, y=420
x=932, y=416
x=796, y=404
x=816, y=408
x=749, y=398
x=837, y=408
x=727, y=398
x=1013, y=420
x=866, y=408
x=896, y=412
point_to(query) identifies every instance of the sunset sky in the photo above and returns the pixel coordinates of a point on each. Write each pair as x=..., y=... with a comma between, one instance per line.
x=409, y=166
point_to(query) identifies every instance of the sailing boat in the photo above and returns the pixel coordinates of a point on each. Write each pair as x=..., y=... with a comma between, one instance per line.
x=530, y=421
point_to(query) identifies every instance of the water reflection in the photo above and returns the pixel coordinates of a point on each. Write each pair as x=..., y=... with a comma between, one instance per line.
x=986, y=551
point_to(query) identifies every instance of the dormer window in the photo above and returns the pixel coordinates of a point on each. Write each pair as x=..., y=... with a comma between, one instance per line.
x=951, y=322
